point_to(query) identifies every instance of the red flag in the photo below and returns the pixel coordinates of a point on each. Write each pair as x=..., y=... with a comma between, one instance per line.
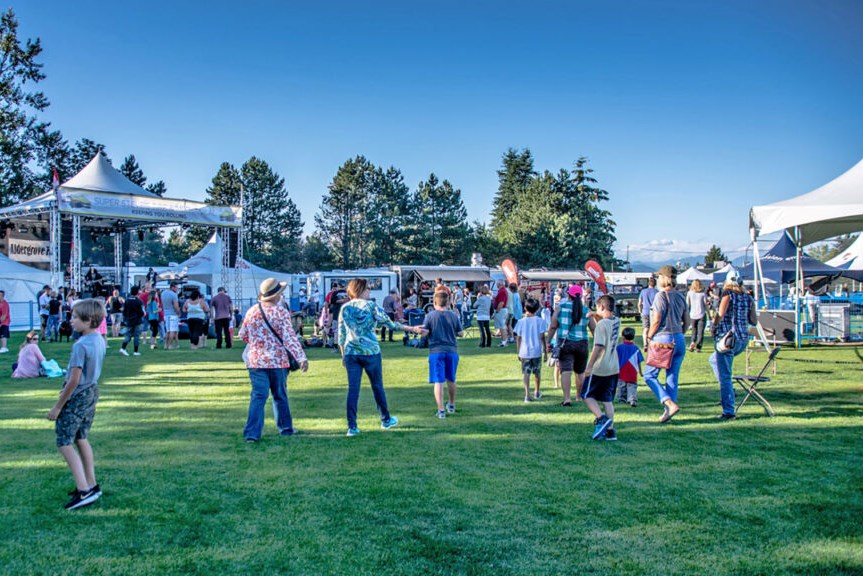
x=511, y=270
x=594, y=270
x=55, y=182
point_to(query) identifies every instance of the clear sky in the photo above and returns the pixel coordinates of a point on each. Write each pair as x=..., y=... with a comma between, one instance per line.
x=690, y=112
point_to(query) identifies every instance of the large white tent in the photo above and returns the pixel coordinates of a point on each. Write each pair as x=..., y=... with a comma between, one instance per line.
x=206, y=267
x=693, y=274
x=833, y=209
x=22, y=285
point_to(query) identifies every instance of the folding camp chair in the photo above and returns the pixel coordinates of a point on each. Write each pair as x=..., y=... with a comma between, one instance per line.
x=750, y=383
x=469, y=324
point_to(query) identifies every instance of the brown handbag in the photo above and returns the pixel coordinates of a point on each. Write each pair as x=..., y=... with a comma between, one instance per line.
x=659, y=354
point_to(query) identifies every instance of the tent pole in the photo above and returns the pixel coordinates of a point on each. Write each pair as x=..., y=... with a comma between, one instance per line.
x=798, y=281
x=118, y=259
x=756, y=268
x=238, y=272
x=75, y=272
x=225, y=239
x=55, y=234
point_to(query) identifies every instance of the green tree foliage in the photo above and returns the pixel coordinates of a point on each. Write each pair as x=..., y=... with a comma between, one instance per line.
x=551, y=220
x=714, y=254
x=176, y=247
x=273, y=224
x=828, y=250
x=440, y=227
x=84, y=151
x=22, y=135
x=388, y=216
x=158, y=188
x=132, y=171
x=317, y=254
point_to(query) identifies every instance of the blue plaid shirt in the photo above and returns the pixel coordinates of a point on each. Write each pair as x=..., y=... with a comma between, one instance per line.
x=736, y=316
x=566, y=329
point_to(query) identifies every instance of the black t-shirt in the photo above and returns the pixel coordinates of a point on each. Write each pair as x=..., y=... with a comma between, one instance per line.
x=339, y=298
x=54, y=307
x=133, y=311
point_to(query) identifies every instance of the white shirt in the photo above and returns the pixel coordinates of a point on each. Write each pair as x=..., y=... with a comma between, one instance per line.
x=44, y=300
x=530, y=328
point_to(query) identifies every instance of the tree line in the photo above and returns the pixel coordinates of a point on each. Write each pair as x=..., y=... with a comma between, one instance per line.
x=368, y=215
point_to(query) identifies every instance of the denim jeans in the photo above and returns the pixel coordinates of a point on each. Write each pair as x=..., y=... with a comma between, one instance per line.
x=52, y=328
x=266, y=381
x=651, y=374
x=133, y=332
x=721, y=364
x=355, y=364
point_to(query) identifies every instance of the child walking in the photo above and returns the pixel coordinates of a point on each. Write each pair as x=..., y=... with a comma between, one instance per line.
x=530, y=341
x=76, y=407
x=601, y=374
x=442, y=326
x=630, y=359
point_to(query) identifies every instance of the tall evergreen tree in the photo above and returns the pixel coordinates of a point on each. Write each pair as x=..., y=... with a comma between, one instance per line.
x=132, y=171
x=514, y=177
x=84, y=151
x=224, y=190
x=388, y=215
x=442, y=229
x=341, y=219
x=714, y=254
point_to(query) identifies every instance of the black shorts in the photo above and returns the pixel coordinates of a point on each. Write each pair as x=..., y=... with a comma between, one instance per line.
x=4, y=331
x=573, y=356
x=600, y=388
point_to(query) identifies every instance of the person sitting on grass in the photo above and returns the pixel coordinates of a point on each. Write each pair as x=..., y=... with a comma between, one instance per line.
x=630, y=359
x=30, y=357
x=442, y=326
x=530, y=342
x=76, y=407
x=601, y=374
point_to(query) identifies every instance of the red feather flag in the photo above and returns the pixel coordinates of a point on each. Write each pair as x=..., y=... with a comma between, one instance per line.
x=594, y=270
x=511, y=270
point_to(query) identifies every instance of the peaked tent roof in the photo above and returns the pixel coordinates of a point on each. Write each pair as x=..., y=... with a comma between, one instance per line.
x=851, y=258
x=779, y=263
x=100, y=176
x=692, y=274
x=833, y=209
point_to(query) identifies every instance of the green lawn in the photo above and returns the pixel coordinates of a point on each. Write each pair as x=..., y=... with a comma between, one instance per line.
x=502, y=487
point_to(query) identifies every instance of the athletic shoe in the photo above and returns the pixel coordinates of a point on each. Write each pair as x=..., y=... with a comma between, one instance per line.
x=251, y=440
x=634, y=403
x=602, y=423
x=83, y=498
x=136, y=353
x=502, y=345
x=4, y=350
x=537, y=396
x=75, y=490
x=528, y=399
x=389, y=423
x=450, y=408
x=353, y=432
x=441, y=413
x=123, y=352
x=152, y=346
x=611, y=434
x=727, y=416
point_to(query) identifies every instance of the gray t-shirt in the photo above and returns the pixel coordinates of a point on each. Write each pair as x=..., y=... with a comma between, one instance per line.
x=88, y=353
x=443, y=327
x=674, y=322
x=168, y=299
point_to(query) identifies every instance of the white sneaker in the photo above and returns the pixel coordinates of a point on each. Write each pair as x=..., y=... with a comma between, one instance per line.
x=3, y=350
x=123, y=352
x=450, y=408
x=136, y=353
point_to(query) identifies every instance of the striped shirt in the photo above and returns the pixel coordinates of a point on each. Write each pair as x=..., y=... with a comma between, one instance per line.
x=566, y=330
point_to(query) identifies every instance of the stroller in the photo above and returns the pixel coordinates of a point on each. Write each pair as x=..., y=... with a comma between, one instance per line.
x=415, y=317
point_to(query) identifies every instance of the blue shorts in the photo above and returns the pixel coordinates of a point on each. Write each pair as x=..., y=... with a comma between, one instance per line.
x=442, y=367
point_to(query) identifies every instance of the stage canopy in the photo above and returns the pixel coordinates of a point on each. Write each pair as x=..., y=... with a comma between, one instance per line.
x=833, y=209
x=104, y=201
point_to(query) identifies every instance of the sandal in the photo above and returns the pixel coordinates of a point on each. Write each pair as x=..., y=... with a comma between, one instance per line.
x=569, y=404
x=669, y=414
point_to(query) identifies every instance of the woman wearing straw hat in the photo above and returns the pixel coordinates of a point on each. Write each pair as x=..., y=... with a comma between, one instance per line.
x=269, y=336
x=669, y=319
x=359, y=320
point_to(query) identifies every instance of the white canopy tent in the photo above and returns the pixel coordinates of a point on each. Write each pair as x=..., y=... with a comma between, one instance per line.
x=22, y=285
x=102, y=199
x=206, y=267
x=693, y=274
x=833, y=209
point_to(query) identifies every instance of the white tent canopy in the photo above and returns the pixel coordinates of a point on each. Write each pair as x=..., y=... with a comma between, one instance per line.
x=833, y=209
x=851, y=258
x=22, y=285
x=693, y=274
x=206, y=267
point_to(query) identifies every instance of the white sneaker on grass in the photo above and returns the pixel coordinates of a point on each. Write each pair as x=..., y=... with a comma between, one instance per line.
x=123, y=352
x=450, y=408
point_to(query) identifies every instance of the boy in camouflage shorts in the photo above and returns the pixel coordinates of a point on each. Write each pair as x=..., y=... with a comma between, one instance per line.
x=530, y=342
x=76, y=407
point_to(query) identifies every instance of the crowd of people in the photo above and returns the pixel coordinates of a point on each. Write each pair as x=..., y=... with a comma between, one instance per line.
x=551, y=327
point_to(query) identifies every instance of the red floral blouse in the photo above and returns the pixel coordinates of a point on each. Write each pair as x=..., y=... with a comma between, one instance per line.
x=263, y=349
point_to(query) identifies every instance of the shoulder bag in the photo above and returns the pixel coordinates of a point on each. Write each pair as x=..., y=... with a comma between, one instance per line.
x=293, y=364
x=659, y=354
x=728, y=341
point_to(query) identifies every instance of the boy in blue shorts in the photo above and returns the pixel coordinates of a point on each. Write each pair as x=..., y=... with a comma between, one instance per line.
x=76, y=407
x=601, y=374
x=442, y=326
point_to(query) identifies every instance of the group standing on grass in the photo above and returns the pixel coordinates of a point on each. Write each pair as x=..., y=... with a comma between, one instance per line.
x=273, y=349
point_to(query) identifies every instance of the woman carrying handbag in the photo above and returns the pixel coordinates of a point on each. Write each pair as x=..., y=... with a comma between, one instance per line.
x=666, y=344
x=731, y=336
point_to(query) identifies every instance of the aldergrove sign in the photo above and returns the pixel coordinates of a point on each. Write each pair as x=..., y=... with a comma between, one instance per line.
x=24, y=250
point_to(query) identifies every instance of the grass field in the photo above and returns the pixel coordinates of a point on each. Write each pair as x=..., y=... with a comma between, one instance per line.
x=501, y=488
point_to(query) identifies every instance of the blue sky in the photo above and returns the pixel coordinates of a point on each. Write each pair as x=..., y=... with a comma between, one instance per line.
x=690, y=112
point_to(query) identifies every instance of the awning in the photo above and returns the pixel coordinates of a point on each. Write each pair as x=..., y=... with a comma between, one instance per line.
x=559, y=275
x=454, y=275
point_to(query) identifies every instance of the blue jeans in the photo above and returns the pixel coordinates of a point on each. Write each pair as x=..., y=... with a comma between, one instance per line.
x=133, y=332
x=371, y=364
x=721, y=364
x=52, y=328
x=264, y=381
x=651, y=374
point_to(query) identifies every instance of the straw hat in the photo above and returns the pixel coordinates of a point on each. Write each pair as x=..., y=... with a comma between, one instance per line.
x=271, y=290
